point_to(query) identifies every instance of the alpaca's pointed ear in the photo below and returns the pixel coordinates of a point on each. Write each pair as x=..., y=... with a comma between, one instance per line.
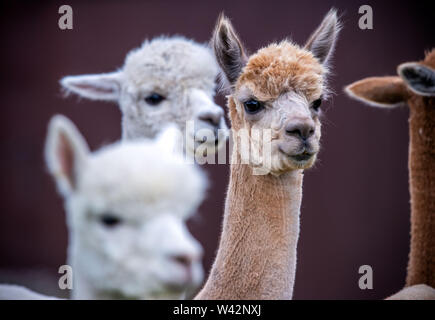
x=170, y=139
x=419, y=78
x=66, y=152
x=379, y=91
x=105, y=86
x=322, y=42
x=228, y=49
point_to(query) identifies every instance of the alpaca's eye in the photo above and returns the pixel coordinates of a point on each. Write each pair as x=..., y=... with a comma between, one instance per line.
x=316, y=104
x=110, y=220
x=154, y=99
x=253, y=106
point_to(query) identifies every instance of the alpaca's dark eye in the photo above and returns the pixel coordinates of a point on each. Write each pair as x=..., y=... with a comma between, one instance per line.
x=253, y=106
x=110, y=220
x=154, y=99
x=316, y=104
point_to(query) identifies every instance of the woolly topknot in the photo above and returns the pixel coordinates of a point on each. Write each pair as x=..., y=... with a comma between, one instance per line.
x=169, y=60
x=282, y=67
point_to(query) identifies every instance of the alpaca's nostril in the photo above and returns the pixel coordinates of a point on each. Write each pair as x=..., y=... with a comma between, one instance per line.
x=211, y=118
x=184, y=260
x=294, y=132
x=300, y=130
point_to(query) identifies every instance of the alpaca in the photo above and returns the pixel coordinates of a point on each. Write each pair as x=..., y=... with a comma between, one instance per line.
x=414, y=292
x=414, y=86
x=126, y=207
x=166, y=80
x=280, y=89
x=15, y=292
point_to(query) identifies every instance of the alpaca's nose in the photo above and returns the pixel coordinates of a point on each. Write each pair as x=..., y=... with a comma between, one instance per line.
x=301, y=129
x=211, y=117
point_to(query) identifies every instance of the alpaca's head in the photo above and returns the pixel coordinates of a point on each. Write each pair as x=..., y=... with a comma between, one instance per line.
x=415, y=85
x=278, y=89
x=127, y=205
x=165, y=81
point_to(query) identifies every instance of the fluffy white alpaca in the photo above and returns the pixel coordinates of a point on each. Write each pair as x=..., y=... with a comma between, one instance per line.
x=166, y=80
x=14, y=292
x=126, y=207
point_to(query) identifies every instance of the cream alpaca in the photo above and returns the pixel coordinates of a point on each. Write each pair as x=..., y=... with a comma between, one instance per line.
x=415, y=86
x=126, y=209
x=166, y=80
x=279, y=88
x=15, y=292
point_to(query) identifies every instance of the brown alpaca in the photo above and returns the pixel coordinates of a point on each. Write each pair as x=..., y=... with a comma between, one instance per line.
x=279, y=89
x=416, y=87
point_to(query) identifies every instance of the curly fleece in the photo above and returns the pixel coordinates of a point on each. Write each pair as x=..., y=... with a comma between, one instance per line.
x=280, y=68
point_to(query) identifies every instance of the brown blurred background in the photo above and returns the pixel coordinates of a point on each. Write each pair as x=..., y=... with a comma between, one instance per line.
x=355, y=208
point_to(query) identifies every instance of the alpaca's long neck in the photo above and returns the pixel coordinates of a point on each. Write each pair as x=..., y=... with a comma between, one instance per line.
x=257, y=252
x=421, y=267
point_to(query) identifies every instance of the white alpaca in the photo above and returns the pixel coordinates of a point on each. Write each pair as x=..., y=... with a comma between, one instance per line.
x=14, y=292
x=126, y=208
x=166, y=80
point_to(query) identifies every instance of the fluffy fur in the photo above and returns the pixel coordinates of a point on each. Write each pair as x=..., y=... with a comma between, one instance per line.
x=283, y=67
x=179, y=70
x=126, y=207
x=14, y=292
x=257, y=251
x=392, y=91
x=415, y=292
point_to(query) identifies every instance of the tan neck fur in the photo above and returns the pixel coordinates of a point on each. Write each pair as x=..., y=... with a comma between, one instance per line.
x=257, y=251
x=421, y=266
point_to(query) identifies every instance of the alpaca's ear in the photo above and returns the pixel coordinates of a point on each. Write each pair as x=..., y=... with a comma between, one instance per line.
x=322, y=42
x=105, y=86
x=228, y=50
x=379, y=91
x=419, y=78
x=170, y=139
x=66, y=152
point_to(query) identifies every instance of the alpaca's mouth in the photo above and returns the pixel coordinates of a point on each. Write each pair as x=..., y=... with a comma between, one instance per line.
x=175, y=286
x=210, y=137
x=305, y=156
x=212, y=140
x=206, y=141
x=300, y=157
